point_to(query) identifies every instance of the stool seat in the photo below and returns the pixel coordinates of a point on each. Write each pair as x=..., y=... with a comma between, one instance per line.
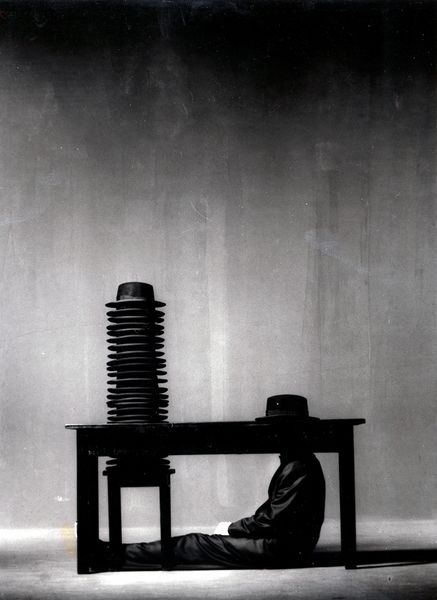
x=119, y=477
x=137, y=479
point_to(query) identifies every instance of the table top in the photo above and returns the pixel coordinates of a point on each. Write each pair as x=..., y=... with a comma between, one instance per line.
x=213, y=437
x=215, y=424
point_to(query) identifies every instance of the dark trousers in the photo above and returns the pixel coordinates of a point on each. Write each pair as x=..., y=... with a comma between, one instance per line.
x=222, y=550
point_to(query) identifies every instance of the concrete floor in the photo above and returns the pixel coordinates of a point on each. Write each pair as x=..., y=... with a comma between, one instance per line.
x=45, y=568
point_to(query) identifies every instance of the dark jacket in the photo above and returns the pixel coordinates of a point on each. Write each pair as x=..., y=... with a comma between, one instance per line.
x=294, y=510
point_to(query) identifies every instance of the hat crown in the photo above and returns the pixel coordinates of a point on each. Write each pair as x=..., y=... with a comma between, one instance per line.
x=287, y=405
x=136, y=290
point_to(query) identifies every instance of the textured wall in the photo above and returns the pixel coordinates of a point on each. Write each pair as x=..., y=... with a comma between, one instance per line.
x=271, y=171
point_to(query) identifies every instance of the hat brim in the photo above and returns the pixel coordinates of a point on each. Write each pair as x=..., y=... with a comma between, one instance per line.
x=140, y=420
x=120, y=348
x=138, y=396
x=137, y=403
x=134, y=326
x=128, y=302
x=113, y=366
x=285, y=419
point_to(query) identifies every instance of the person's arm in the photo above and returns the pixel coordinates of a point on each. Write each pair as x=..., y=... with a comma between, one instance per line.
x=269, y=516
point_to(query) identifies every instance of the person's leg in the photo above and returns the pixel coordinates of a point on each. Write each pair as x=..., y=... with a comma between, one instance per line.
x=200, y=548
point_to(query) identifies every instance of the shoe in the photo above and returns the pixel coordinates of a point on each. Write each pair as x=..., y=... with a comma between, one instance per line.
x=106, y=557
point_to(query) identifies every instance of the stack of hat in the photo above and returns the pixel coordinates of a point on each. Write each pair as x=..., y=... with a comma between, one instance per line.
x=136, y=364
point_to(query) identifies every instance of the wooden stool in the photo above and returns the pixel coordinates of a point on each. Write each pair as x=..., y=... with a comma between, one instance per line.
x=118, y=479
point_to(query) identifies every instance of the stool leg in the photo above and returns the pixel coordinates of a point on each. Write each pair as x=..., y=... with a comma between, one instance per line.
x=165, y=522
x=114, y=511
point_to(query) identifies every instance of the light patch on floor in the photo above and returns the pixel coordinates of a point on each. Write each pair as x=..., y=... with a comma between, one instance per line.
x=41, y=565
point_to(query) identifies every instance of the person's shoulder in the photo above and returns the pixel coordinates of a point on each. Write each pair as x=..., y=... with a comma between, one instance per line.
x=300, y=465
x=296, y=466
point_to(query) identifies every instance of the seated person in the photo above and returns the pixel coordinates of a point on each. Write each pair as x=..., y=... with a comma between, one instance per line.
x=282, y=532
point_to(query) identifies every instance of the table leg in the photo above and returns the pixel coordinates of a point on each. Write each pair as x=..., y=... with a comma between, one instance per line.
x=347, y=501
x=87, y=506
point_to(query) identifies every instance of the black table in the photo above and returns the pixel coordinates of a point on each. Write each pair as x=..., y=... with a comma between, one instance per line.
x=233, y=437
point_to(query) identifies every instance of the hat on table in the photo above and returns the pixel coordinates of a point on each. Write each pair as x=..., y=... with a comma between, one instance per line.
x=286, y=407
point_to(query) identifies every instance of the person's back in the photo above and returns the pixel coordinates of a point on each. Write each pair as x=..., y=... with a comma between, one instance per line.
x=294, y=511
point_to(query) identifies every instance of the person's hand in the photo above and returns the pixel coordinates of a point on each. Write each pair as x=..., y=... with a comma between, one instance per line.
x=222, y=528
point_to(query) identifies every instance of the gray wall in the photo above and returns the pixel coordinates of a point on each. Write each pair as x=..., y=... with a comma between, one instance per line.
x=271, y=171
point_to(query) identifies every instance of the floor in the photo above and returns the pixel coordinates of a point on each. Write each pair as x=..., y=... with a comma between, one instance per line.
x=404, y=566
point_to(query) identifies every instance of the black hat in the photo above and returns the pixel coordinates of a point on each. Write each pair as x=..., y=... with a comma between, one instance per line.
x=135, y=292
x=287, y=407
